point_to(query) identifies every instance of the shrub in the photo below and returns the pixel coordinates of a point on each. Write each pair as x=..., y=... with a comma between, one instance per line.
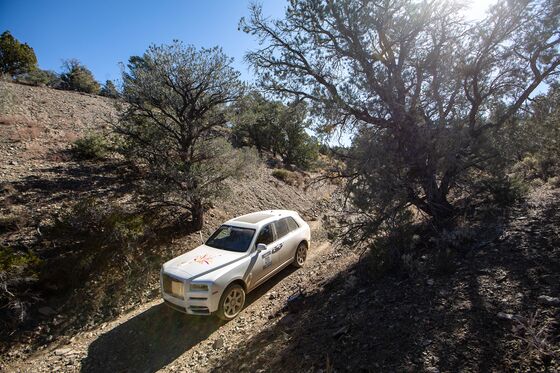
x=554, y=181
x=77, y=77
x=289, y=177
x=11, y=259
x=104, y=223
x=123, y=227
x=445, y=261
x=535, y=137
x=89, y=234
x=505, y=191
x=536, y=334
x=92, y=146
x=18, y=270
x=528, y=168
x=393, y=251
x=38, y=77
x=274, y=127
x=109, y=90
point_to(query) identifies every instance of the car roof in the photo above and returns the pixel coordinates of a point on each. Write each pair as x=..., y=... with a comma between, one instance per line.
x=259, y=218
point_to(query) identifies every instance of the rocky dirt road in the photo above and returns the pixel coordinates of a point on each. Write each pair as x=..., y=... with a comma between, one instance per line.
x=156, y=338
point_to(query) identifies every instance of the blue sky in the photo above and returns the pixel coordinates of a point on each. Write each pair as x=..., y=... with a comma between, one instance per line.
x=103, y=33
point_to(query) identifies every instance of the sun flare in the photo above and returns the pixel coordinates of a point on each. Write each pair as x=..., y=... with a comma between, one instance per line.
x=476, y=9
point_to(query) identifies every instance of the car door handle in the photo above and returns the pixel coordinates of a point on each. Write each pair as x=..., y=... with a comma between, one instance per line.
x=276, y=248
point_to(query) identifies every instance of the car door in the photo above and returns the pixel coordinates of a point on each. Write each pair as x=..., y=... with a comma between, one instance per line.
x=286, y=242
x=264, y=263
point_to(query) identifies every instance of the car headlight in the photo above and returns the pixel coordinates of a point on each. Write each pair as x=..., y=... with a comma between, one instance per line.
x=199, y=287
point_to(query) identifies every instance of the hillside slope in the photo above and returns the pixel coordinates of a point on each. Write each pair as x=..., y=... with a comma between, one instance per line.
x=499, y=311
x=40, y=181
x=37, y=123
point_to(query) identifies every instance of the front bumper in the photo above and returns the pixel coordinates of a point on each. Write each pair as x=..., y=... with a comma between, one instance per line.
x=192, y=303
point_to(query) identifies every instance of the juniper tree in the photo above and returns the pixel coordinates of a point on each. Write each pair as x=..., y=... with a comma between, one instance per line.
x=276, y=127
x=15, y=57
x=176, y=105
x=417, y=82
x=77, y=77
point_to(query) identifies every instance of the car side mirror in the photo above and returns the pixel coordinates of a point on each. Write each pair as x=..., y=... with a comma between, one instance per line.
x=261, y=247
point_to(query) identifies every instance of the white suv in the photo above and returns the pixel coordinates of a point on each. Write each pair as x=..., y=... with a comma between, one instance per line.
x=241, y=254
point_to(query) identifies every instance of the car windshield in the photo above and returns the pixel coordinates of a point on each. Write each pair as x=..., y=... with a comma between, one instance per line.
x=231, y=238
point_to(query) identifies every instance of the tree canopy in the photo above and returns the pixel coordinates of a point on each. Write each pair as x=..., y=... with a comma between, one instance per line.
x=420, y=84
x=275, y=127
x=77, y=77
x=15, y=57
x=177, y=97
x=109, y=90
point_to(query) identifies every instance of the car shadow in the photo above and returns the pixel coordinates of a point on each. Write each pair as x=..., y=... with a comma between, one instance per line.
x=157, y=336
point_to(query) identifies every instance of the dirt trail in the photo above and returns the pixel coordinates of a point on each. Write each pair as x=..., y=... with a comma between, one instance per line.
x=152, y=337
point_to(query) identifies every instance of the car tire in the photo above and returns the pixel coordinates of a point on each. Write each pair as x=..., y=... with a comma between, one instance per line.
x=231, y=302
x=300, y=255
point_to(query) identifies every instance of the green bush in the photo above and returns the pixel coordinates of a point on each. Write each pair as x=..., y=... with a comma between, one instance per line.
x=123, y=227
x=505, y=191
x=274, y=127
x=393, y=251
x=92, y=146
x=11, y=259
x=77, y=77
x=38, y=77
x=445, y=261
x=528, y=168
x=89, y=235
x=109, y=90
x=101, y=223
x=11, y=223
x=187, y=164
x=554, y=181
x=18, y=271
x=15, y=57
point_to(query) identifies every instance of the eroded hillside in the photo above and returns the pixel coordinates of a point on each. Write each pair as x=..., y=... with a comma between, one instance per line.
x=37, y=123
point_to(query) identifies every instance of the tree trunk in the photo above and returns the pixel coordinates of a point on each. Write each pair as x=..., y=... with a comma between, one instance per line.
x=437, y=205
x=197, y=215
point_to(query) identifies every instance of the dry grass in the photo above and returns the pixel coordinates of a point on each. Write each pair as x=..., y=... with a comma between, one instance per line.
x=20, y=128
x=289, y=177
x=13, y=222
x=535, y=335
x=35, y=150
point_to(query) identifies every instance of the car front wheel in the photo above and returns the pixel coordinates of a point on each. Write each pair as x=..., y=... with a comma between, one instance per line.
x=301, y=255
x=231, y=302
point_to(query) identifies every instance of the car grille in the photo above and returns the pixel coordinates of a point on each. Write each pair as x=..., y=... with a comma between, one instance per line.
x=172, y=286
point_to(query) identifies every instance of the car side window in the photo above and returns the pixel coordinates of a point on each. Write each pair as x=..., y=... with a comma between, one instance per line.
x=282, y=228
x=266, y=235
x=292, y=224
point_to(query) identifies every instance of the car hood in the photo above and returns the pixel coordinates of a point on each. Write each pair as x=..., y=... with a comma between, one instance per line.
x=200, y=261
